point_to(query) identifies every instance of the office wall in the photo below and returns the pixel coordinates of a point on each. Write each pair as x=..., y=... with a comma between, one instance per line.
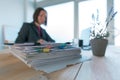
x=14, y=13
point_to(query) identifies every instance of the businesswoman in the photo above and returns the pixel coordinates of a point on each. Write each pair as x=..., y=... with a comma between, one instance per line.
x=33, y=32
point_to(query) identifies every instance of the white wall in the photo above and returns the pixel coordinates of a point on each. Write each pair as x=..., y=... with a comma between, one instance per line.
x=11, y=12
x=29, y=10
x=14, y=13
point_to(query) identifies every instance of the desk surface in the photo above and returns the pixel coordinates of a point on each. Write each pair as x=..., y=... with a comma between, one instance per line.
x=98, y=68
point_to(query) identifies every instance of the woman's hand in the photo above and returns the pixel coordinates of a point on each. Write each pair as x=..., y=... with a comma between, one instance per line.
x=41, y=41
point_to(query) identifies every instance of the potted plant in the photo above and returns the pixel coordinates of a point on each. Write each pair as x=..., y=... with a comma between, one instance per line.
x=99, y=33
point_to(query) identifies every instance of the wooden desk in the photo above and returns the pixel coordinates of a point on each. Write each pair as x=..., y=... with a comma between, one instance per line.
x=102, y=68
x=99, y=68
x=12, y=68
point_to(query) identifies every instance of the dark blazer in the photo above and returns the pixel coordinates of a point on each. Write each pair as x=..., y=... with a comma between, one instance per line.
x=29, y=33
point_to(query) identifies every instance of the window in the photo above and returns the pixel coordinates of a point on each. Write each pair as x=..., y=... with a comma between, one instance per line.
x=86, y=9
x=117, y=25
x=61, y=21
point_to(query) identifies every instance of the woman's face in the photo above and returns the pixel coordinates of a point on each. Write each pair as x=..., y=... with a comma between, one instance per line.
x=41, y=17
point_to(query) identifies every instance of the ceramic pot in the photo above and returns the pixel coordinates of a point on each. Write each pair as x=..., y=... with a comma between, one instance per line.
x=98, y=46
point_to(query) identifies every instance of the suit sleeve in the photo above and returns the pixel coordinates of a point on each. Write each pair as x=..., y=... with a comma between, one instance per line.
x=48, y=38
x=23, y=34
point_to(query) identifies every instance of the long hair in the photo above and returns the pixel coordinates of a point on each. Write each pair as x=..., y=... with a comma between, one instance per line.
x=36, y=14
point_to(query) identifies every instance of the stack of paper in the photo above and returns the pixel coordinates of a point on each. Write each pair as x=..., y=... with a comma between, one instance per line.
x=34, y=56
